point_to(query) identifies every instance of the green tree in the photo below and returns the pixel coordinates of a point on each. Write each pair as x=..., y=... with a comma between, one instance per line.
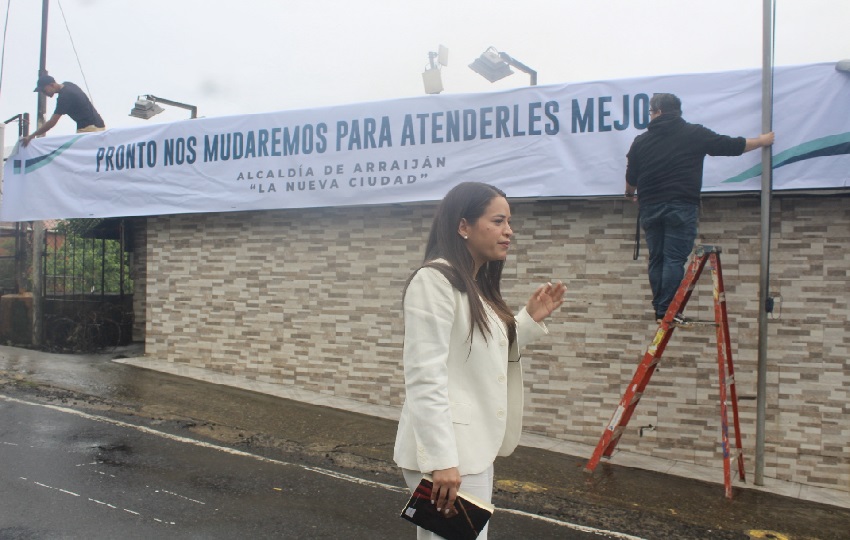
x=77, y=263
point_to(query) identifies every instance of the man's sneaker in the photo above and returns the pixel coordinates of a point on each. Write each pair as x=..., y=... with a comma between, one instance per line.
x=680, y=321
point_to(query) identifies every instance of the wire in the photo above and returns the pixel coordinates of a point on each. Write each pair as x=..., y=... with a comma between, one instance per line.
x=73, y=46
x=3, y=53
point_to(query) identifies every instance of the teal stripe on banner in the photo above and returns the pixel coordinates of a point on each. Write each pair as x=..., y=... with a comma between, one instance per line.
x=832, y=145
x=40, y=161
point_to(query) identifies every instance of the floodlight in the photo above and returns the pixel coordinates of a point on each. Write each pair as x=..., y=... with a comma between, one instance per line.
x=843, y=65
x=491, y=66
x=494, y=65
x=147, y=106
x=145, y=109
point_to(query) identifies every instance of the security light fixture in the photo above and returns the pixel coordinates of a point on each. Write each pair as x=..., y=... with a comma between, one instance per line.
x=491, y=66
x=494, y=65
x=147, y=107
x=432, y=77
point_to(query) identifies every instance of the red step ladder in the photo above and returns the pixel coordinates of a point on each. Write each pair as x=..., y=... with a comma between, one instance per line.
x=726, y=372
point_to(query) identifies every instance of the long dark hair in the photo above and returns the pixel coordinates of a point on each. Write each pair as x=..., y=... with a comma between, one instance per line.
x=467, y=200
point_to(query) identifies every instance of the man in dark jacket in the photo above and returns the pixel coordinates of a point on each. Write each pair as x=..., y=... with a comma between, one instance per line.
x=71, y=101
x=665, y=171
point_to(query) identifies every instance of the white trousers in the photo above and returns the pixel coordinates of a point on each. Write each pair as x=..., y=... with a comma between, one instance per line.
x=478, y=485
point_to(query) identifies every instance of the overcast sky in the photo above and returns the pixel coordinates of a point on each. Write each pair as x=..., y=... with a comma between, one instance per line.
x=254, y=56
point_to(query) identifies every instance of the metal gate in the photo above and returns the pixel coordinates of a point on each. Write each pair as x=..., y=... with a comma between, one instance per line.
x=15, y=240
x=88, y=292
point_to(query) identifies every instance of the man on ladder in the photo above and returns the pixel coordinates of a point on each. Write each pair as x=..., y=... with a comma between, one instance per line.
x=665, y=171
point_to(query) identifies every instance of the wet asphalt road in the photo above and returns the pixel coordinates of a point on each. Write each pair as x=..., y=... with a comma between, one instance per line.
x=67, y=475
x=640, y=503
x=70, y=477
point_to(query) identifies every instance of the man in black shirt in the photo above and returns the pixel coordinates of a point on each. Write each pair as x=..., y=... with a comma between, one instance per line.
x=71, y=101
x=665, y=171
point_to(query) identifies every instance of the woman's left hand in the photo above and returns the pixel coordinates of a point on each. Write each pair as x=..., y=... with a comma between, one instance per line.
x=546, y=299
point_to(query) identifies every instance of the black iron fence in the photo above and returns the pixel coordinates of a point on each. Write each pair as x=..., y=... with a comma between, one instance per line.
x=88, y=292
x=15, y=245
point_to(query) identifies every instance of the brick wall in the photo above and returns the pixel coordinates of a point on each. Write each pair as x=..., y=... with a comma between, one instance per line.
x=313, y=298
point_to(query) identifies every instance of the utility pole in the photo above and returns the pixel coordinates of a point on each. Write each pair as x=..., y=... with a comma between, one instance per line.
x=38, y=226
x=764, y=277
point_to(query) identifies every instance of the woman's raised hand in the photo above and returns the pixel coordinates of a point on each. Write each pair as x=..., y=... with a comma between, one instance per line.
x=546, y=299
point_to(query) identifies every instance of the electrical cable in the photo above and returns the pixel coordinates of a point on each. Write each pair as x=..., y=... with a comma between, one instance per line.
x=3, y=53
x=74, y=47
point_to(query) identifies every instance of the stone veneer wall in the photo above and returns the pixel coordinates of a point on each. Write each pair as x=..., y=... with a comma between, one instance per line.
x=138, y=272
x=313, y=298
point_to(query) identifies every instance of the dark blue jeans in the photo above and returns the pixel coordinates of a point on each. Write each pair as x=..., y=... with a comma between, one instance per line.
x=670, y=229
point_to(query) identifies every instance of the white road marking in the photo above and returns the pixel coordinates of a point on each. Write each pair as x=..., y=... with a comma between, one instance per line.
x=580, y=528
x=326, y=472
x=178, y=495
x=93, y=500
x=112, y=506
x=56, y=488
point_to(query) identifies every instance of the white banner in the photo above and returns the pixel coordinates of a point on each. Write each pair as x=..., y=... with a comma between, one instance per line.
x=566, y=140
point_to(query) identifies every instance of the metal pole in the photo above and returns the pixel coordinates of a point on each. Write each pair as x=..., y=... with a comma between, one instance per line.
x=520, y=66
x=764, y=275
x=121, y=231
x=38, y=226
x=23, y=120
x=42, y=64
x=193, y=109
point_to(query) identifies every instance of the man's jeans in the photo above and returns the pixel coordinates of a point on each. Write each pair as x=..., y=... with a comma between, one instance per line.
x=670, y=229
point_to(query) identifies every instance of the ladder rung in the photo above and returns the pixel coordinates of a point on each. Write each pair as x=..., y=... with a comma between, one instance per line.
x=735, y=453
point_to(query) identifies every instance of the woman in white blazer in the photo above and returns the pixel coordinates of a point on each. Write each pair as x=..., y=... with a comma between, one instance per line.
x=463, y=380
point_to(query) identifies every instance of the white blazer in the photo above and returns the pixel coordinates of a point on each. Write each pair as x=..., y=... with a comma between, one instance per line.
x=463, y=403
